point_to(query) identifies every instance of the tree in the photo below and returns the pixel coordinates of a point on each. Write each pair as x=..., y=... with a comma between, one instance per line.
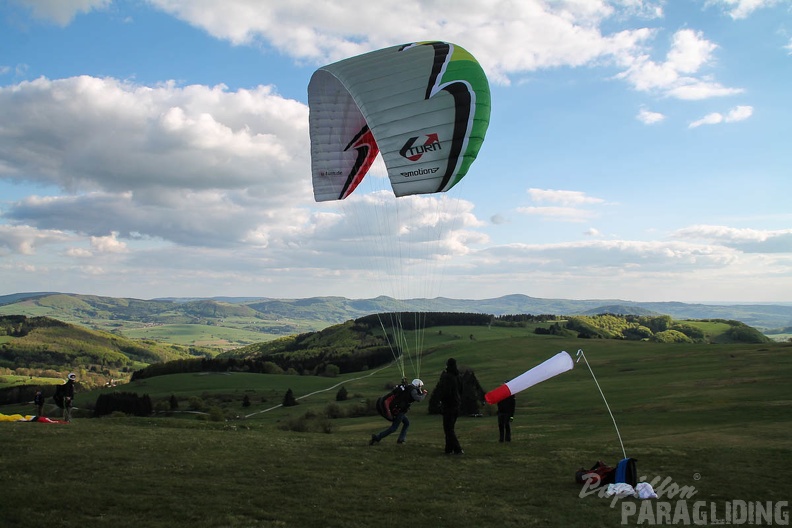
x=341, y=395
x=174, y=402
x=472, y=395
x=332, y=371
x=125, y=402
x=246, y=401
x=289, y=400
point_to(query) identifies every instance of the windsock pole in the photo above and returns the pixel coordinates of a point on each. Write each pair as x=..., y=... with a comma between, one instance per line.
x=580, y=354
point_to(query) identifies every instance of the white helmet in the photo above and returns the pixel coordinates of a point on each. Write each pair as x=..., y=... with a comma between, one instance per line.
x=417, y=383
x=72, y=376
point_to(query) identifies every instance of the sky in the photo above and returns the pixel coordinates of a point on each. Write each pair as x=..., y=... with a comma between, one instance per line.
x=637, y=150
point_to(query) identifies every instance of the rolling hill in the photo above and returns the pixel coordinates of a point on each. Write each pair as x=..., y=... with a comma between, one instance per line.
x=290, y=316
x=363, y=344
x=48, y=347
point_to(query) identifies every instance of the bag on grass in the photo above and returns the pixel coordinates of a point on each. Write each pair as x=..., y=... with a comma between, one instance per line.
x=600, y=474
x=626, y=472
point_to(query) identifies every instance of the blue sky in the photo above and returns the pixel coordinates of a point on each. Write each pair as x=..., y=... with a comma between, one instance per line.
x=637, y=150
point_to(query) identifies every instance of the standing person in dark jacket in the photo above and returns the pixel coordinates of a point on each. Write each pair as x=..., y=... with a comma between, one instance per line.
x=450, y=396
x=38, y=401
x=68, y=396
x=505, y=416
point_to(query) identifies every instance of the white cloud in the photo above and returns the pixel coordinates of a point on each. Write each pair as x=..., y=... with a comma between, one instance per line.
x=104, y=134
x=79, y=253
x=689, y=52
x=627, y=255
x=108, y=244
x=562, y=197
x=709, y=119
x=675, y=76
x=656, y=271
x=24, y=239
x=563, y=214
x=648, y=117
x=568, y=205
x=506, y=37
x=740, y=9
x=192, y=164
x=738, y=113
x=744, y=239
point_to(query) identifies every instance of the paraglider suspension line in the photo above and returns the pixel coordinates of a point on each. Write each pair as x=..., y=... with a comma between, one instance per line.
x=580, y=354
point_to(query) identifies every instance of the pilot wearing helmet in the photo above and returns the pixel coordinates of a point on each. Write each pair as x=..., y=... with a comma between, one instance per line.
x=398, y=403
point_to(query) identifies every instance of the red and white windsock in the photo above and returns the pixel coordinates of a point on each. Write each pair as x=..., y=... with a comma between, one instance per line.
x=554, y=366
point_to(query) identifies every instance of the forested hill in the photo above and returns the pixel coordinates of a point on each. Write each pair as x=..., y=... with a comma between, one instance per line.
x=48, y=347
x=360, y=344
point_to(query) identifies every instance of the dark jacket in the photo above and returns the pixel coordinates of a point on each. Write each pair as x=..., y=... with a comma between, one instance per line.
x=68, y=389
x=405, y=396
x=449, y=390
x=506, y=406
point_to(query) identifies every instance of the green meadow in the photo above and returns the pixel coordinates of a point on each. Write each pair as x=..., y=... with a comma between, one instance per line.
x=199, y=335
x=711, y=421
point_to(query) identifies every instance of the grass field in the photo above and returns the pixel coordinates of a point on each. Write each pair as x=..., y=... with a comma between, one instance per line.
x=712, y=419
x=199, y=335
x=10, y=380
x=234, y=332
x=226, y=333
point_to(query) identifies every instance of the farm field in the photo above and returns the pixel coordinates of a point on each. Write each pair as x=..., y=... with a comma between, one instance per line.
x=199, y=335
x=694, y=416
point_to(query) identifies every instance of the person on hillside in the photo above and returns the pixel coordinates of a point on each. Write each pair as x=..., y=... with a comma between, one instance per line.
x=403, y=396
x=449, y=390
x=38, y=401
x=505, y=417
x=68, y=396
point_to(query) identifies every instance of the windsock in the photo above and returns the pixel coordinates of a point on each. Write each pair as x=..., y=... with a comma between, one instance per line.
x=554, y=366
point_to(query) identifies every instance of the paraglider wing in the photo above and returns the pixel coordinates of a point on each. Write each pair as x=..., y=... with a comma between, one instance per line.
x=554, y=366
x=28, y=418
x=425, y=106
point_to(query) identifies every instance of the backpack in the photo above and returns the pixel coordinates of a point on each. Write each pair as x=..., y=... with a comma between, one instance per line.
x=626, y=472
x=384, y=406
x=600, y=474
x=59, y=395
x=395, y=402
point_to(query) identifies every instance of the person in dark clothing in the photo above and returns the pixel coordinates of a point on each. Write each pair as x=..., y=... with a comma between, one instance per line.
x=505, y=416
x=38, y=401
x=404, y=396
x=68, y=396
x=450, y=395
